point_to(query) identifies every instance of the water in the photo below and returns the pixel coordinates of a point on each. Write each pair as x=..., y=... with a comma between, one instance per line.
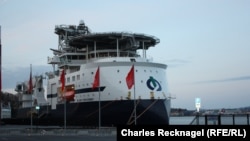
x=181, y=120
x=211, y=120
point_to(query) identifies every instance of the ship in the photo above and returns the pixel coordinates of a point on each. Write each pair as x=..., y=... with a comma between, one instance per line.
x=96, y=79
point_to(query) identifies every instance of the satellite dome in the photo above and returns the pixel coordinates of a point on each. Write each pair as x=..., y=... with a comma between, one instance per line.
x=81, y=22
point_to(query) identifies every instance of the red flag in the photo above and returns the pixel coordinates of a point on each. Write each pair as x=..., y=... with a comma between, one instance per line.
x=30, y=83
x=97, y=79
x=62, y=79
x=130, y=78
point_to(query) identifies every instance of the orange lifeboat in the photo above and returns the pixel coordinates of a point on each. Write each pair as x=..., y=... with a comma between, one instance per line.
x=69, y=95
x=69, y=92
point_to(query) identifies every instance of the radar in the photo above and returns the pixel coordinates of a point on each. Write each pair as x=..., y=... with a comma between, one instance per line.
x=81, y=22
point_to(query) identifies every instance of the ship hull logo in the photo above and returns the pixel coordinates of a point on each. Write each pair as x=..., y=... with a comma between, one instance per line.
x=153, y=84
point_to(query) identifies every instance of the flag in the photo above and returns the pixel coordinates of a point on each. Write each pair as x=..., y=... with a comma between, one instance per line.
x=62, y=79
x=97, y=79
x=30, y=82
x=130, y=78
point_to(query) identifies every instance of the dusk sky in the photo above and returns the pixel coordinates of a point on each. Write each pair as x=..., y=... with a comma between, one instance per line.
x=205, y=43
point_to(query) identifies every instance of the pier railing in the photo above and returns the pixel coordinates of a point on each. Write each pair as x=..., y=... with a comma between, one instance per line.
x=221, y=119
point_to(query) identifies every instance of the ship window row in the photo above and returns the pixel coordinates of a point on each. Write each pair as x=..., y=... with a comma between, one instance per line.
x=72, y=57
x=120, y=82
x=138, y=71
x=77, y=77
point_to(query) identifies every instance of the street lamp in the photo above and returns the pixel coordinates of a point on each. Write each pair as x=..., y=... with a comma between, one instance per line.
x=37, y=108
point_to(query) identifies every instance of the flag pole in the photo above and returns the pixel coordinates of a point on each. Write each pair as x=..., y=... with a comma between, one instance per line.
x=65, y=108
x=99, y=108
x=130, y=80
x=99, y=99
x=30, y=91
x=65, y=115
x=96, y=84
x=134, y=97
x=62, y=79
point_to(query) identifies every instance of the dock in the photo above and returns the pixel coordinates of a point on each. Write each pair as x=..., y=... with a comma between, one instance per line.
x=221, y=119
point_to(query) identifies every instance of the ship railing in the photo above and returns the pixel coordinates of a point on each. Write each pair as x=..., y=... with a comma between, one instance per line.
x=118, y=59
x=112, y=53
x=98, y=56
x=93, y=55
x=221, y=119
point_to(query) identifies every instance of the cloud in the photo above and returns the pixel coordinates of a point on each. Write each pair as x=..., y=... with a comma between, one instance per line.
x=225, y=80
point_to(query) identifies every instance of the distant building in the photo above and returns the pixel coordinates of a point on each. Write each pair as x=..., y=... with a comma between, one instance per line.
x=6, y=111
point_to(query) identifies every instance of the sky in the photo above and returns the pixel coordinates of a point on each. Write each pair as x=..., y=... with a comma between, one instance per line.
x=205, y=43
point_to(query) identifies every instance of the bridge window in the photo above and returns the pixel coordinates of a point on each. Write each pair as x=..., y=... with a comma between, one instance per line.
x=81, y=57
x=132, y=60
x=74, y=57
